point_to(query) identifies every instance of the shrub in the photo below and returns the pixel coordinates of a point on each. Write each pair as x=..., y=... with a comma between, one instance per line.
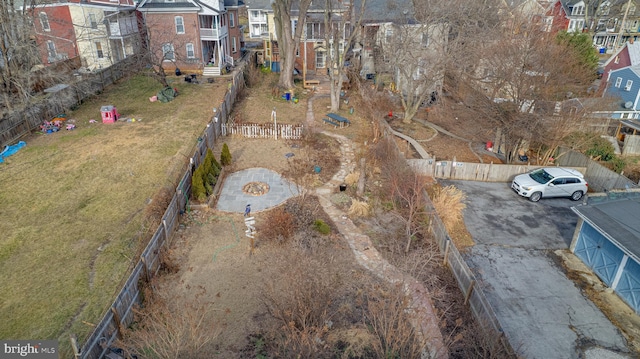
x=198, y=190
x=320, y=226
x=225, y=156
x=618, y=164
x=280, y=226
x=601, y=149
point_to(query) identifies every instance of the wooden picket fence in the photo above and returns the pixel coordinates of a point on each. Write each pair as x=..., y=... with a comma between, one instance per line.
x=263, y=130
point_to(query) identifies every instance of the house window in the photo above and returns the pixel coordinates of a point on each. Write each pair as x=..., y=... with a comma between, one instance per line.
x=616, y=60
x=179, y=25
x=388, y=34
x=99, y=51
x=618, y=82
x=167, y=52
x=51, y=49
x=191, y=53
x=576, y=25
x=234, y=46
x=632, y=10
x=44, y=21
x=627, y=87
x=578, y=10
x=294, y=24
x=320, y=59
x=232, y=20
x=425, y=40
x=298, y=52
x=92, y=21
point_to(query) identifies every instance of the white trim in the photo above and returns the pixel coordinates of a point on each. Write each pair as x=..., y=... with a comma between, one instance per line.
x=616, y=278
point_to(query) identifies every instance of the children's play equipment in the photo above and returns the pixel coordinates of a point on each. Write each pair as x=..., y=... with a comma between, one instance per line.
x=109, y=114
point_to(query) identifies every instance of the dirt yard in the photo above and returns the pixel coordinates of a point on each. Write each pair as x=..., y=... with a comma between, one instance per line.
x=214, y=256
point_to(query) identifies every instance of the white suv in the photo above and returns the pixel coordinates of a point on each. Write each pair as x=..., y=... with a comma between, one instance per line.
x=550, y=182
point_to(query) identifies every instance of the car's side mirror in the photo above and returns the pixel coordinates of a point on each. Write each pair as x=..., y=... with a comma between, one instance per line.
x=551, y=184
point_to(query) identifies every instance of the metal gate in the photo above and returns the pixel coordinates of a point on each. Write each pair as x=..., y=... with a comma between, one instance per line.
x=598, y=253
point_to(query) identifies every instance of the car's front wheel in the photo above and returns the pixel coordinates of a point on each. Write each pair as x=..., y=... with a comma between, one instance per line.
x=535, y=196
x=575, y=196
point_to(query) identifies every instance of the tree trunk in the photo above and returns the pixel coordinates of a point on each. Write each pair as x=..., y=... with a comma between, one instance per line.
x=361, y=179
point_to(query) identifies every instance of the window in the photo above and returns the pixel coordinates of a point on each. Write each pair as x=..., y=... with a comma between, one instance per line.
x=425, y=40
x=616, y=60
x=92, y=21
x=298, y=51
x=320, y=59
x=167, y=52
x=578, y=10
x=44, y=21
x=51, y=49
x=191, y=53
x=388, y=34
x=232, y=20
x=99, y=51
x=179, y=25
x=618, y=82
x=632, y=10
x=627, y=87
x=576, y=25
x=294, y=24
x=234, y=47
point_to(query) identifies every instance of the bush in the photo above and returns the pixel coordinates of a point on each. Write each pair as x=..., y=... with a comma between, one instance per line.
x=280, y=226
x=198, y=190
x=618, y=164
x=320, y=226
x=225, y=156
x=601, y=149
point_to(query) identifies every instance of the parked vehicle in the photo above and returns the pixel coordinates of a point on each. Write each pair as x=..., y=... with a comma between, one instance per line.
x=550, y=182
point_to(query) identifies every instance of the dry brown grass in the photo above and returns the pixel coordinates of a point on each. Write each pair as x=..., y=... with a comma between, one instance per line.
x=78, y=205
x=449, y=204
x=359, y=209
x=352, y=178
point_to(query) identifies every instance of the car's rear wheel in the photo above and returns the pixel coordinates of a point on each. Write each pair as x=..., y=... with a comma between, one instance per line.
x=535, y=196
x=575, y=196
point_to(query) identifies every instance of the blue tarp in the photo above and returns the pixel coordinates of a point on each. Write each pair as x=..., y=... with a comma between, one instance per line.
x=9, y=150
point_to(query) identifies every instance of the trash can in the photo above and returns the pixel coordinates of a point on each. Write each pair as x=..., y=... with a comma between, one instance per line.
x=343, y=187
x=317, y=169
x=287, y=96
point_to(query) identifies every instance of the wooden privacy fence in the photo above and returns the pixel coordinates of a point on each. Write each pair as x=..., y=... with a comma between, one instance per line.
x=599, y=177
x=19, y=123
x=120, y=315
x=263, y=130
x=487, y=172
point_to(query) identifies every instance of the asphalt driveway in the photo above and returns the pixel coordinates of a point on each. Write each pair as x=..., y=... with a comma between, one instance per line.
x=542, y=312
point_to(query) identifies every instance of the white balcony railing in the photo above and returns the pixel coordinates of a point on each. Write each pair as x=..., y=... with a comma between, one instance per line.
x=258, y=19
x=213, y=34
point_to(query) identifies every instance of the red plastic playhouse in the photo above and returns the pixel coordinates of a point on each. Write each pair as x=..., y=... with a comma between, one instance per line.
x=109, y=114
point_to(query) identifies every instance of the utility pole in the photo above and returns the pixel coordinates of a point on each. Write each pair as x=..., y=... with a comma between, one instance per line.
x=622, y=24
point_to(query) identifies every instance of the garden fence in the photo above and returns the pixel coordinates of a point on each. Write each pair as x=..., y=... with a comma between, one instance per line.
x=263, y=130
x=120, y=315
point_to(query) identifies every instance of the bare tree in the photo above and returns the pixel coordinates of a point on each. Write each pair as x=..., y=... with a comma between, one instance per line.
x=342, y=24
x=159, y=50
x=416, y=53
x=288, y=38
x=18, y=55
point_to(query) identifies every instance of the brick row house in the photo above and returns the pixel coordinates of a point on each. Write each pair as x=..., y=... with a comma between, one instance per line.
x=194, y=35
x=100, y=32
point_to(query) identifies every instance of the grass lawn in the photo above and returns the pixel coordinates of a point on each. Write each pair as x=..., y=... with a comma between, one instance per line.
x=77, y=205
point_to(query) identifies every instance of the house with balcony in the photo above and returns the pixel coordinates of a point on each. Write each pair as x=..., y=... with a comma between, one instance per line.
x=259, y=14
x=192, y=35
x=101, y=33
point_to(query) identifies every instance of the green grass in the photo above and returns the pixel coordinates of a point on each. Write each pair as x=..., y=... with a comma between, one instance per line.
x=74, y=206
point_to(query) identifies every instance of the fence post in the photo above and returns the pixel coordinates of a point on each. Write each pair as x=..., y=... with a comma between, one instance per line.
x=469, y=291
x=446, y=252
x=74, y=346
x=116, y=318
x=145, y=269
x=166, y=232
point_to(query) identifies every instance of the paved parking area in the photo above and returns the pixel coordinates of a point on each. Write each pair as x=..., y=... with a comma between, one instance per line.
x=542, y=312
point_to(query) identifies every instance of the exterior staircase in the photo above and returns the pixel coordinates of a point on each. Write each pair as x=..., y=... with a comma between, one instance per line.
x=211, y=71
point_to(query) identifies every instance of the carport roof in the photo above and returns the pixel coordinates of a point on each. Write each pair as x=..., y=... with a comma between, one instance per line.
x=617, y=220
